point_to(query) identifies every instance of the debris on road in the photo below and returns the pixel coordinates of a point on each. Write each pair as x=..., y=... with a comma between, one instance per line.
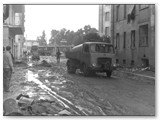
x=10, y=106
x=44, y=89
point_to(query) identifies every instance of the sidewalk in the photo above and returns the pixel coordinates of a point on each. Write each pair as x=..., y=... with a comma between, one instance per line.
x=135, y=74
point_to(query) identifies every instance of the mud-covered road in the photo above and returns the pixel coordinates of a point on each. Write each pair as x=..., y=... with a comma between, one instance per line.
x=55, y=92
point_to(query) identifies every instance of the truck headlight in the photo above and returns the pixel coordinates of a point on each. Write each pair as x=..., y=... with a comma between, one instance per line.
x=114, y=65
x=94, y=65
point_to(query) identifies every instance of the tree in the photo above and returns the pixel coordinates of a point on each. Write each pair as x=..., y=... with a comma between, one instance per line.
x=74, y=38
x=86, y=34
x=92, y=37
x=42, y=39
x=53, y=35
x=106, y=39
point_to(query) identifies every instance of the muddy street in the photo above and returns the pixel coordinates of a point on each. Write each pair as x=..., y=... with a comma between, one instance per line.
x=39, y=89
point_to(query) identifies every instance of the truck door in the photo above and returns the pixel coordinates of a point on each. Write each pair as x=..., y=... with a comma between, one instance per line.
x=85, y=54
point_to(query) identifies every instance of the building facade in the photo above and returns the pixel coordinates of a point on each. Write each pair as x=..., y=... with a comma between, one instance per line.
x=105, y=20
x=133, y=34
x=13, y=28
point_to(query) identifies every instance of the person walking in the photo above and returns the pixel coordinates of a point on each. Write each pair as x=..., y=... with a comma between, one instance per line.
x=58, y=54
x=12, y=56
x=3, y=49
x=7, y=68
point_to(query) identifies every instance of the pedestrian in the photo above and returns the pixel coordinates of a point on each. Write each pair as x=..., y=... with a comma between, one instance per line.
x=7, y=68
x=12, y=56
x=58, y=54
x=3, y=49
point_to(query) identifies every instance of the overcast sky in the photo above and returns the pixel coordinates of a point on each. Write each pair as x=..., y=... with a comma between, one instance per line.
x=48, y=17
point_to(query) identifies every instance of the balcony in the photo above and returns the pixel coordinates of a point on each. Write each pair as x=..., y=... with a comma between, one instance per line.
x=15, y=22
x=17, y=25
x=18, y=8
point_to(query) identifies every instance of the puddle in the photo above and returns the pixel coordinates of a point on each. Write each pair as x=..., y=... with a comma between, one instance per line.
x=51, y=85
x=67, y=104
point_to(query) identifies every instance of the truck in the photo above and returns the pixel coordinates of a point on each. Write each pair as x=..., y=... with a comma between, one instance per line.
x=34, y=52
x=91, y=57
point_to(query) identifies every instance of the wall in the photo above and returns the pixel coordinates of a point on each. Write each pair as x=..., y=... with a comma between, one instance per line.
x=5, y=36
x=142, y=17
x=102, y=22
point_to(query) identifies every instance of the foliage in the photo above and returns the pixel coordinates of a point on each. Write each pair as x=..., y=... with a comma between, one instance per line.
x=67, y=37
x=42, y=39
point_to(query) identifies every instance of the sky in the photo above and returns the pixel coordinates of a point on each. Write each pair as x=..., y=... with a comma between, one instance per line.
x=48, y=17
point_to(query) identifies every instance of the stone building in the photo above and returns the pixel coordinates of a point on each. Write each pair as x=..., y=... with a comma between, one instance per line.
x=13, y=28
x=105, y=20
x=133, y=34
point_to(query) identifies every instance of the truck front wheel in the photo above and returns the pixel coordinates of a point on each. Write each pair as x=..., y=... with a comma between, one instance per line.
x=108, y=73
x=85, y=70
x=70, y=68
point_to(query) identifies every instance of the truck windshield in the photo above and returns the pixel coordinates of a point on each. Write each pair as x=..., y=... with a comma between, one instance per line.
x=102, y=48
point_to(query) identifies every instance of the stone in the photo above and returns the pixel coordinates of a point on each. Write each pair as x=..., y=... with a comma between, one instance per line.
x=10, y=106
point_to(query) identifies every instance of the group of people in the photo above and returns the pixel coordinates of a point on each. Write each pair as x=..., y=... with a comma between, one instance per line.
x=8, y=69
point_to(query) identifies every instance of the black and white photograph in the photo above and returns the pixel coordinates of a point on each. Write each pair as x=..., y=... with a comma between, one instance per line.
x=79, y=60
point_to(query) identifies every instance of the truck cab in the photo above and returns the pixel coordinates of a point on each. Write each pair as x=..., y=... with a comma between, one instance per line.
x=91, y=57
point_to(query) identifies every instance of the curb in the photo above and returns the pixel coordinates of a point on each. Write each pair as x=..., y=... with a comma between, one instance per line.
x=133, y=76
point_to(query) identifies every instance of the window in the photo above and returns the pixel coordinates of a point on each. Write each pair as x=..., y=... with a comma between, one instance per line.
x=124, y=61
x=117, y=41
x=107, y=31
x=142, y=6
x=107, y=16
x=117, y=13
x=124, y=40
x=125, y=11
x=18, y=19
x=143, y=36
x=132, y=62
x=102, y=48
x=86, y=48
x=117, y=61
x=133, y=39
x=145, y=62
